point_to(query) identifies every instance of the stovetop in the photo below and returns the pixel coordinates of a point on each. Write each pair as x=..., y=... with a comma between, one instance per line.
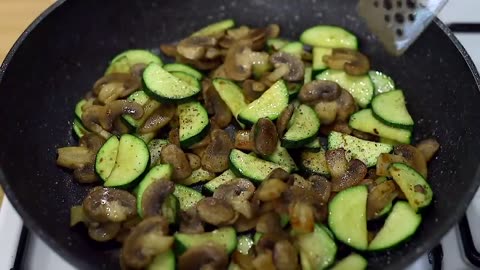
x=458, y=250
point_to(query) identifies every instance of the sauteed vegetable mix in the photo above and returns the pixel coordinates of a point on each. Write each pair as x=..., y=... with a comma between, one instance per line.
x=249, y=151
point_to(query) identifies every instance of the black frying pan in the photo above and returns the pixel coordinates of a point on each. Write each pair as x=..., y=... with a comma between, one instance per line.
x=63, y=52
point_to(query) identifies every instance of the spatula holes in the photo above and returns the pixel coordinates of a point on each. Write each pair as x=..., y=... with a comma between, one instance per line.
x=411, y=17
x=387, y=4
x=387, y=18
x=399, y=3
x=411, y=4
x=375, y=4
x=399, y=32
x=399, y=18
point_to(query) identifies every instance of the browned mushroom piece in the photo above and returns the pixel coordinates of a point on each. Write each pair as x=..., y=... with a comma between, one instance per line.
x=285, y=255
x=380, y=196
x=86, y=174
x=322, y=188
x=243, y=140
x=238, y=193
x=272, y=30
x=209, y=256
x=190, y=221
x=338, y=126
x=94, y=118
x=126, y=228
x=355, y=173
x=103, y=232
x=296, y=68
x=279, y=173
x=174, y=155
x=148, y=239
x=364, y=136
x=109, y=205
x=74, y=157
x=120, y=127
x=265, y=136
x=174, y=136
x=154, y=196
x=249, y=88
x=270, y=189
x=351, y=61
x=244, y=261
x=169, y=49
x=216, y=211
x=384, y=161
x=194, y=160
x=413, y=157
x=284, y=118
x=137, y=70
x=218, y=72
x=336, y=162
x=158, y=119
x=302, y=216
x=346, y=106
x=269, y=223
x=269, y=79
x=215, y=157
x=238, y=61
x=326, y=111
x=194, y=47
x=243, y=224
x=121, y=84
x=428, y=148
x=264, y=261
x=315, y=91
x=216, y=106
x=203, y=64
x=118, y=108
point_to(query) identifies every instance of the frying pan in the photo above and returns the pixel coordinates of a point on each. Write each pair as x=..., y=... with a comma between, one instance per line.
x=67, y=48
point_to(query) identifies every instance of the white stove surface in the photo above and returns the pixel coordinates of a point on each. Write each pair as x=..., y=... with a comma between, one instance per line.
x=39, y=256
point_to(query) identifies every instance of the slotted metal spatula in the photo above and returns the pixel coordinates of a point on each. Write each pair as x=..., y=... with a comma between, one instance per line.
x=398, y=23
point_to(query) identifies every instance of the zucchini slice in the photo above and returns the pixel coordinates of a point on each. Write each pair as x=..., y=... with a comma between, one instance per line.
x=360, y=87
x=161, y=172
x=123, y=61
x=231, y=94
x=79, y=129
x=390, y=108
x=251, y=167
x=183, y=68
x=194, y=123
x=391, y=233
x=106, y=157
x=329, y=37
x=347, y=216
x=381, y=82
x=78, y=109
x=294, y=48
x=317, y=249
x=365, y=121
x=355, y=148
x=307, y=77
x=187, y=197
x=215, y=28
x=270, y=104
x=351, y=262
x=223, y=178
x=155, y=147
x=163, y=261
x=315, y=144
x=198, y=176
x=163, y=86
x=281, y=157
x=132, y=160
x=303, y=127
x=226, y=237
x=275, y=44
x=413, y=185
x=317, y=62
x=314, y=162
x=191, y=80
x=142, y=99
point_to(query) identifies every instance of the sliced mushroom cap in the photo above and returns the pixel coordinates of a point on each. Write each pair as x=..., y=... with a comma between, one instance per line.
x=238, y=193
x=284, y=118
x=194, y=47
x=215, y=157
x=203, y=64
x=352, y=61
x=315, y=91
x=238, y=61
x=243, y=224
x=285, y=255
x=326, y=111
x=190, y=221
x=243, y=140
x=380, y=196
x=265, y=136
x=346, y=106
x=210, y=256
x=169, y=49
x=336, y=162
x=269, y=223
x=103, y=232
x=428, y=148
x=272, y=30
x=279, y=173
x=194, y=160
x=264, y=261
x=249, y=88
x=158, y=119
x=364, y=136
x=109, y=205
x=302, y=217
x=296, y=68
x=174, y=136
x=355, y=173
x=154, y=196
x=217, y=107
x=95, y=119
x=243, y=260
x=216, y=211
x=148, y=239
x=86, y=174
x=74, y=157
x=338, y=126
x=321, y=187
x=125, y=83
x=118, y=108
x=384, y=161
x=174, y=155
x=413, y=156
x=270, y=189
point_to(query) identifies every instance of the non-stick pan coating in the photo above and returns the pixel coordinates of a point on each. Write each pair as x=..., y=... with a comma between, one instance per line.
x=59, y=57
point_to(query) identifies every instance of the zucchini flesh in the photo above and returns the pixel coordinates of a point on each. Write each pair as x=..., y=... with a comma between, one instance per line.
x=244, y=244
x=351, y=262
x=355, y=148
x=155, y=147
x=307, y=77
x=163, y=261
x=314, y=162
x=381, y=82
x=123, y=61
x=281, y=157
x=142, y=99
x=194, y=123
x=226, y=237
x=365, y=121
x=223, y=178
x=78, y=108
x=161, y=172
x=270, y=104
x=198, y=176
x=163, y=86
x=390, y=108
x=79, y=129
x=303, y=127
x=187, y=197
x=275, y=44
x=360, y=87
x=251, y=167
x=132, y=159
x=231, y=94
x=348, y=216
x=171, y=209
x=294, y=48
x=191, y=80
x=413, y=185
x=183, y=68
x=315, y=144
x=215, y=28
x=329, y=37
x=317, y=249
x=391, y=233
x=317, y=61
x=106, y=157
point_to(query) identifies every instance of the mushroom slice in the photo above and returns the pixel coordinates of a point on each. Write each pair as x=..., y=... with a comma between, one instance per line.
x=285, y=255
x=218, y=107
x=270, y=189
x=174, y=155
x=264, y=261
x=174, y=136
x=74, y=157
x=322, y=188
x=86, y=174
x=190, y=221
x=384, y=161
x=154, y=196
x=216, y=211
x=336, y=162
x=122, y=84
x=315, y=91
x=194, y=160
x=109, y=205
x=92, y=141
x=242, y=260
x=346, y=106
x=413, y=156
x=296, y=68
x=380, y=196
x=351, y=61
x=215, y=157
x=243, y=224
x=269, y=223
x=103, y=232
x=428, y=148
x=243, y=140
x=194, y=47
x=272, y=30
x=238, y=193
x=279, y=173
x=95, y=119
x=145, y=241
x=302, y=217
x=210, y=256
x=118, y=108
x=169, y=50
x=284, y=118
x=326, y=111
x=355, y=173
x=338, y=126
x=158, y=119
x=249, y=88
x=265, y=136
x=238, y=61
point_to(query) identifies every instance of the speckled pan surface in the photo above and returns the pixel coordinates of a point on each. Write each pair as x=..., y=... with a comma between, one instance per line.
x=67, y=49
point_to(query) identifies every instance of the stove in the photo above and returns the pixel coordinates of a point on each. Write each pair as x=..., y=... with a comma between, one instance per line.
x=21, y=249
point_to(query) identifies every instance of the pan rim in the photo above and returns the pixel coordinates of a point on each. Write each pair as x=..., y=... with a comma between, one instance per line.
x=76, y=261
